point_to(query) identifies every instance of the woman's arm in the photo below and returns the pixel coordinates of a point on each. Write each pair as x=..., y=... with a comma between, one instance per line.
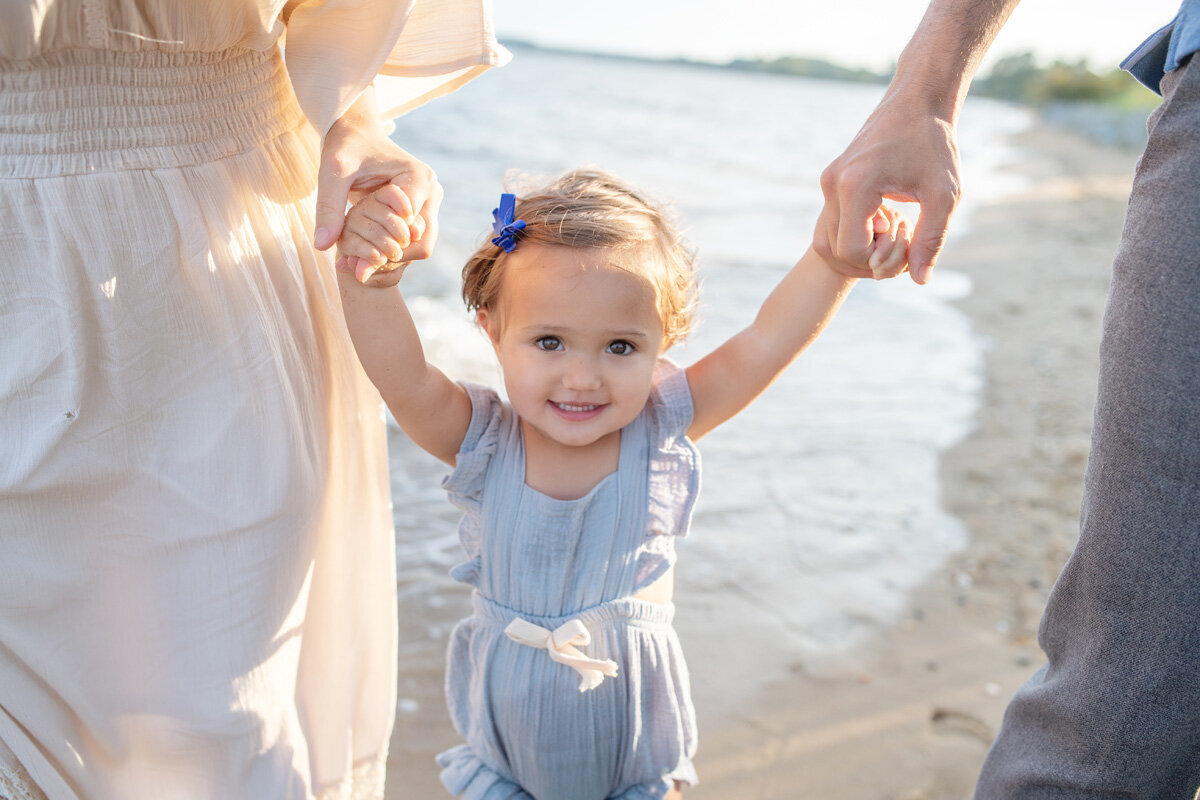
x=357, y=158
x=791, y=318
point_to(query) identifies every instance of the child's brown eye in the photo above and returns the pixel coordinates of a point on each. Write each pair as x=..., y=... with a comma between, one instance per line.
x=620, y=348
x=549, y=343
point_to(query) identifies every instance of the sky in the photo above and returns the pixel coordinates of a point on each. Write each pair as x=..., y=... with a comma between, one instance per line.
x=855, y=33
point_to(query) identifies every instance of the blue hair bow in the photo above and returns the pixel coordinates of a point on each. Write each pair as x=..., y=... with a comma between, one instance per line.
x=503, y=225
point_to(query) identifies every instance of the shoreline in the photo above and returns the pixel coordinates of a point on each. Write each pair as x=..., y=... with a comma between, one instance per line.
x=909, y=715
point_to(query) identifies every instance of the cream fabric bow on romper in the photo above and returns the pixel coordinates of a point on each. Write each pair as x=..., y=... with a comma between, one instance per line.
x=563, y=645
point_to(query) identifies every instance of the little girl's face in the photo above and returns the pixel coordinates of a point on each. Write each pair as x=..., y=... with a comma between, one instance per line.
x=577, y=338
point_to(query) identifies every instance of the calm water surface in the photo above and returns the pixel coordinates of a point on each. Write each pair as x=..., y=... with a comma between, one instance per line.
x=824, y=494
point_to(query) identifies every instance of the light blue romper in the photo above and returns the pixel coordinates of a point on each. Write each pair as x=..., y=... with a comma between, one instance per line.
x=531, y=731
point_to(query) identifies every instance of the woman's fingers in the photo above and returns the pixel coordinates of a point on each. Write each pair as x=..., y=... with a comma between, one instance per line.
x=425, y=227
x=335, y=177
x=417, y=183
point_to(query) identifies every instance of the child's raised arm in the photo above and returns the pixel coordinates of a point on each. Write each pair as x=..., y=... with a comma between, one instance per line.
x=433, y=410
x=729, y=378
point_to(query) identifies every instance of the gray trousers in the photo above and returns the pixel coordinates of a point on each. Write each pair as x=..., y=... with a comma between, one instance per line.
x=1116, y=711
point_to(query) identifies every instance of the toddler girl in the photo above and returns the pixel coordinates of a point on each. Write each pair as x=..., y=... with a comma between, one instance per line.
x=567, y=681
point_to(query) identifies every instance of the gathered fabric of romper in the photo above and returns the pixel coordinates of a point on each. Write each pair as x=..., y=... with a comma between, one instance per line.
x=530, y=683
x=197, y=567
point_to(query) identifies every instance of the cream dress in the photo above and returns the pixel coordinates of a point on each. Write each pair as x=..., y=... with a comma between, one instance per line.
x=197, y=578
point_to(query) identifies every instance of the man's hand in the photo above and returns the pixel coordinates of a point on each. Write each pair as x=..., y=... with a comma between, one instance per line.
x=900, y=154
x=907, y=151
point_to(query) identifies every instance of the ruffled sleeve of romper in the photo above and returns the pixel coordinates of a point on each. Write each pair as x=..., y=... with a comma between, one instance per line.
x=412, y=50
x=674, y=481
x=464, y=485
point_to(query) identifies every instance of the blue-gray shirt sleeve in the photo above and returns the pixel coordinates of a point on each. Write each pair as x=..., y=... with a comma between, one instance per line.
x=1167, y=48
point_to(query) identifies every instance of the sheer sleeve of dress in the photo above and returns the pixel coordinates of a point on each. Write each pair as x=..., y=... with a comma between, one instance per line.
x=413, y=51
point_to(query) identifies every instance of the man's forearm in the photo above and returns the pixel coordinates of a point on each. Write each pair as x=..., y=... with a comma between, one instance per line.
x=936, y=68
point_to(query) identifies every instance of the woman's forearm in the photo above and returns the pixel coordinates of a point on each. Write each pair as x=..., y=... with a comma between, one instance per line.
x=361, y=116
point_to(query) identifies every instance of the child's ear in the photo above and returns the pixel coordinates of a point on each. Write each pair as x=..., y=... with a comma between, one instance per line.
x=490, y=325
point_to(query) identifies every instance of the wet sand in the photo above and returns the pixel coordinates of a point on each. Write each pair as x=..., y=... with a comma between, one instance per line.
x=908, y=715
x=911, y=717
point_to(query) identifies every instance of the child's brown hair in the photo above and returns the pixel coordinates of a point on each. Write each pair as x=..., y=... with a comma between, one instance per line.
x=589, y=208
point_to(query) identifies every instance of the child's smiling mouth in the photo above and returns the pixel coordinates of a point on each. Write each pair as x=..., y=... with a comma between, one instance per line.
x=577, y=410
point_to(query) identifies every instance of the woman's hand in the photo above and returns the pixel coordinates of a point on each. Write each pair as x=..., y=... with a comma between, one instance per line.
x=375, y=235
x=359, y=158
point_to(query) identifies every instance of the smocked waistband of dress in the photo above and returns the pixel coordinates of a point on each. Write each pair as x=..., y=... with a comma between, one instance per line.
x=81, y=111
x=629, y=610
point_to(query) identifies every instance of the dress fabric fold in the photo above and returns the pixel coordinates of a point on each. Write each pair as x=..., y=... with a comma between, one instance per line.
x=197, y=577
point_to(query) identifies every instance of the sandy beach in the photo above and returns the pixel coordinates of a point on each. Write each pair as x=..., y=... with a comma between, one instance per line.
x=908, y=715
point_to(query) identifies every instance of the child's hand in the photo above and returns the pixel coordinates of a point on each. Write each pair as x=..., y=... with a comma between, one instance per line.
x=379, y=229
x=888, y=253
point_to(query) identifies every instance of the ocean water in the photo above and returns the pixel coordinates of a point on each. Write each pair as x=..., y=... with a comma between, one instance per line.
x=822, y=498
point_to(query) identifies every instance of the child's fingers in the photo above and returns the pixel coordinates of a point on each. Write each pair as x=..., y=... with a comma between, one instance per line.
x=890, y=255
x=895, y=260
x=383, y=211
x=395, y=198
x=352, y=245
x=885, y=233
x=376, y=233
x=387, y=235
x=403, y=216
x=882, y=221
x=412, y=193
x=376, y=222
x=370, y=275
x=363, y=270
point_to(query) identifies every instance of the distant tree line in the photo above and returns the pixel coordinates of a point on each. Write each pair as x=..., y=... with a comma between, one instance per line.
x=1017, y=78
x=808, y=68
x=1020, y=79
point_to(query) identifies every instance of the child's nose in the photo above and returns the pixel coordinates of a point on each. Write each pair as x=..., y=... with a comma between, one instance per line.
x=582, y=375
